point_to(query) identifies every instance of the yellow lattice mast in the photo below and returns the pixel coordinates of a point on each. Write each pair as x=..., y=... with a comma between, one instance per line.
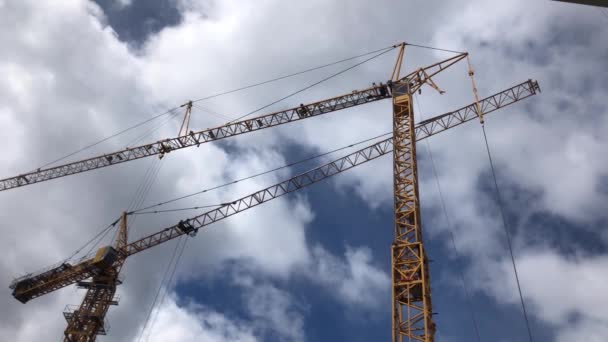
x=412, y=309
x=411, y=292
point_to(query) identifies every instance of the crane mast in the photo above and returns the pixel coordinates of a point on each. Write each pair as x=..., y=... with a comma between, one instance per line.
x=88, y=320
x=412, y=312
x=411, y=293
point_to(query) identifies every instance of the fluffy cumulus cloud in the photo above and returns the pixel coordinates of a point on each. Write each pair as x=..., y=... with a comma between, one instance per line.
x=271, y=312
x=69, y=80
x=357, y=282
x=567, y=292
x=551, y=150
x=558, y=139
x=195, y=323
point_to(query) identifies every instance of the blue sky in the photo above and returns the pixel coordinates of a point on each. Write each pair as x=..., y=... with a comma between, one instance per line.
x=312, y=266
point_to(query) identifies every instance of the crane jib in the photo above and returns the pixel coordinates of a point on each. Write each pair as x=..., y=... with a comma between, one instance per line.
x=163, y=147
x=416, y=80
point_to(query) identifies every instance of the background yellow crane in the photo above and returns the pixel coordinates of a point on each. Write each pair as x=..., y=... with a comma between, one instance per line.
x=411, y=294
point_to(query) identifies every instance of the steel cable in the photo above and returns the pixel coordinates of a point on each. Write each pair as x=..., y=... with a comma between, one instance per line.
x=291, y=75
x=169, y=282
x=313, y=84
x=163, y=279
x=259, y=174
x=107, y=138
x=507, y=234
x=206, y=98
x=468, y=297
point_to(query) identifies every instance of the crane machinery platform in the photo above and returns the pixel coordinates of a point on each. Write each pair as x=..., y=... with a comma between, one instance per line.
x=411, y=308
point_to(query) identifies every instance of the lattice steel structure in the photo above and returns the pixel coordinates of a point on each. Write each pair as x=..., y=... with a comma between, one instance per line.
x=163, y=147
x=411, y=295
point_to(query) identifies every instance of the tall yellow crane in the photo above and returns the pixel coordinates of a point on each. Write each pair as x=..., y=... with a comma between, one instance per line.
x=411, y=294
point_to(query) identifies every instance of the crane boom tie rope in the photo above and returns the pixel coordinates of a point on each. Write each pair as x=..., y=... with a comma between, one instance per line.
x=499, y=199
x=310, y=158
x=170, y=111
x=465, y=287
x=507, y=234
x=315, y=83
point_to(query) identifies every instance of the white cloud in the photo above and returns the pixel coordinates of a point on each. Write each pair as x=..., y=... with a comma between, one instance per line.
x=196, y=323
x=356, y=281
x=544, y=149
x=273, y=311
x=567, y=292
x=269, y=310
x=550, y=147
x=69, y=81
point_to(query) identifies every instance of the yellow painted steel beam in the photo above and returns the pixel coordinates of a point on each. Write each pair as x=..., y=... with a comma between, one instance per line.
x=162, y=147
x=411, y=294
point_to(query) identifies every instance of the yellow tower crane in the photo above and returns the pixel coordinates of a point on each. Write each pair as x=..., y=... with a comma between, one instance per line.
x=411, y=291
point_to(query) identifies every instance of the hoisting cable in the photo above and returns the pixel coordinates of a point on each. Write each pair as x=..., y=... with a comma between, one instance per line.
x=291, y=75
x=383, y=50
x=508, y=235
x=146, y=186
x=433, y=48
x=220, y=116
x=144, y=181
x=167, y=284
x=142, y=190
x=499, y=199
x=100, y=239
x=309, y=158
x=103, y=232
x=209, y=97
x=468, y=297
x=108, y=138
x=163, y=280
x=315, y=83
x=144, y=135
